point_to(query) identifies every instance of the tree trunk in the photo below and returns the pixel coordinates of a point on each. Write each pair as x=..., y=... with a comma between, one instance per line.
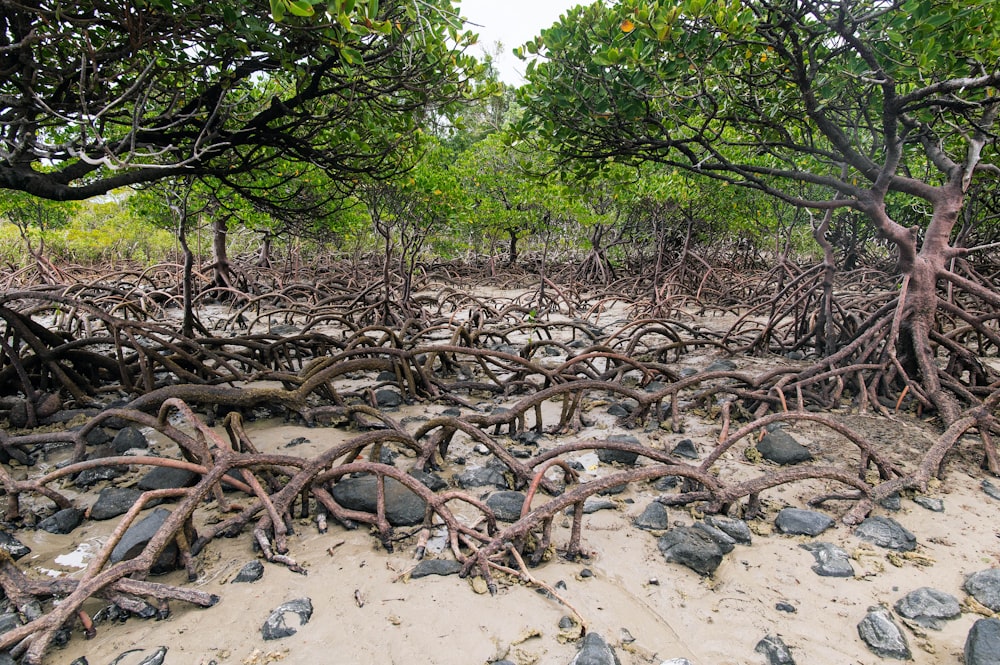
x=513, y=247
x=187, y=281
x=221, y=269
x=264, y=258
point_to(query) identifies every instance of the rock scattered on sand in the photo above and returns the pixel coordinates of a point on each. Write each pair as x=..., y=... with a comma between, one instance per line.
x=115, y=501
x=12, y=546
x=781, y=448
x=775, y=650
x=595, y=651
x=506, y=505
x=610, y=456
x=63, y=521
x=483, y=476
x=928, y=607
x=984, y=586
x=402, y=506
x=725, y=542
x=893, y=502
x=250, y=572
x=388, y=398
x=138, y=536
x=685, y=448
x=275, y=628
x=692, y=548
x=165, y=477
x=441, y=567
x=128, y=438
x=882, y=635
x=991, y=489
x=593, y=504
x=886, y=532
x=737, y=529
x=431, y=481
x=798, y=522
x=982, y=646
x=723, y=365
x=831, y=561
x=932, y=504
x=666, y=483
x=653, y=518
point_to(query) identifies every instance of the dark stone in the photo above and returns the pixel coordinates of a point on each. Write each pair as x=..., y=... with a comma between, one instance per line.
x=782, y=606
x=114, y=501
x=18, y=416
x=297, y=441
x=595, y=651
x=736, y=529
x=984, y=586
x=89, y=477
x=886, y=532
x=275, y=628
x=165, y=477
x=982, y=646
x=928, y=607
x=721, y=366
x=798, y=522
x=775, y=650
x=592, y=505
x=934, y=505
x=528, y=437
x=129, y=438
x=506, y=505
x=685, y=448
x=482, y=476
x=98, y=437
x=610, y=456
x=63, y=521
x=882, y=635
x=431, y=481
x=617, y=410
x=402, y=506
x=388, y=398
x=692, y=548
x=831, y=561
x=653, y=518
x=9, y=621
x=586, y=572
x=155, y=658
x=779, y=447
x=12, y=546
x=386, y=375
x=725, y=542
x=452, y=411
x=614, y=489
x=138, y=536
x=666, y=483
x=251, y=572
x=991, y=490
x=441, y=567
x=893, y=502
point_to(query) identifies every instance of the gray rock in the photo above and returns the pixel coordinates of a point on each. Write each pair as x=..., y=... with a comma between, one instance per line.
x=982, y=646
x=618, y=410
x=934, y=505
x=882, y=635
x=12, y=546
x=275, y=628
x=114, y=501
x=89, y=477
x=928, y=607
x=138, y=536
x=991, y=490
x=402, y=506
x=388, y=398
x=614, y=489
x=441, y=567
x=666, y=483
x=155, y=658
x=482, y=476
x=18, y=416
x=653, y=518
x=250, y=572
x=431, y=481
x=781, y=448
x=685, y=448
x=692, y=548
x=98, y=437
x=892, y=502
x=886, y=532
x=595, y=651
x=984, y=586
x=736, y=529
x=592, y=505
x=831, y=561
x=775, y=650
x=610, y=456
x=128, y=438
x=9, y=621
x=725, y=542
x=506, y=505
x=798, y=522
x=165, y=477
x=63, y=521
x=723, y=365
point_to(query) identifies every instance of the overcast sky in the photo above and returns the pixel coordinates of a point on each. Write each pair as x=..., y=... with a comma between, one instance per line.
x=512, y=22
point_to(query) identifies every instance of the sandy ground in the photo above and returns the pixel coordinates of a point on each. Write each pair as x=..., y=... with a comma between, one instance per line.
x=367, y=611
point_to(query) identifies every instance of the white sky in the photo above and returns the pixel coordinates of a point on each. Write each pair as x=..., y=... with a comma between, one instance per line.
x=512, y=22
